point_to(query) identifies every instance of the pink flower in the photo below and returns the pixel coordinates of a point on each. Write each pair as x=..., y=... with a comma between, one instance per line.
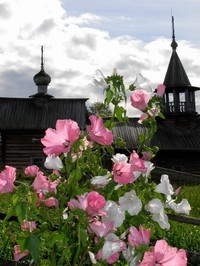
x=43, y=184
x=161, y=90
x=143, y=117
x=138, y=237
x=81, y=203
x=17, y=254
x=139, y=99
x=60, y=140
x=164, y=255
x=95, y=203
x=137, y=163
x=49, y=202
x=31, y=170
x=28, y=225
x=7, y=178
x=98, y=133
x=111, y=249
x=123, y=173
x=101, y=228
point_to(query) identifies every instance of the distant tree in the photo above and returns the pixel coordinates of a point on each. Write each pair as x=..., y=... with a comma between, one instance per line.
x=99, y=109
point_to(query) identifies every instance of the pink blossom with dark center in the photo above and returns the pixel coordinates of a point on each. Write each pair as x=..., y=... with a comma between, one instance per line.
x=60, y=140
x=123, y=173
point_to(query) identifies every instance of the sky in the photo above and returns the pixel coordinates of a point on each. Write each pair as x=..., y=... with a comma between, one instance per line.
x=81, y=36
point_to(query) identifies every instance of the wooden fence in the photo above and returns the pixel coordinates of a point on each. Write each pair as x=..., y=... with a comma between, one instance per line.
x=175, y=176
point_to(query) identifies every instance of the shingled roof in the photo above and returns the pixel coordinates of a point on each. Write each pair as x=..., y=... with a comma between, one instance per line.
x=39, y=113
x=166, y=138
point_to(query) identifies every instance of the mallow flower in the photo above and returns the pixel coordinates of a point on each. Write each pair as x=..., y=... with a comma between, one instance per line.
x=156, y=208
x=165, y=255
x=119, y=157
x=97, y=132
x=60, y=139
x=123, y=173
x=114, y=213
x=101, y=180
x=164, y=186
x=139, y=99
x=99, y=79
x=7, y=178
x=111, y=249
x=131, y=203
x=53, y=162
x=31, y=170
x=182, y=207
x=138, y=237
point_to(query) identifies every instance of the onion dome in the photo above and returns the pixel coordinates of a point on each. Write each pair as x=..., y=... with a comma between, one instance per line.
x=42, y=79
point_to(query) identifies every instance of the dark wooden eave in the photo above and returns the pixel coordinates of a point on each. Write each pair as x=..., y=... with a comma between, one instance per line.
x=39, y=113
x=166, y=138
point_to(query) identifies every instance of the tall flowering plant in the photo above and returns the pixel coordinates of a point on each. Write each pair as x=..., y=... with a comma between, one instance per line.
x=82, y=212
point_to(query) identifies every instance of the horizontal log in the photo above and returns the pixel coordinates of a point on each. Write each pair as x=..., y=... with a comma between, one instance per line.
x=184, y=219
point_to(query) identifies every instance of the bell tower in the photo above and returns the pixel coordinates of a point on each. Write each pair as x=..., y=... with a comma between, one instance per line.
x=179, y=98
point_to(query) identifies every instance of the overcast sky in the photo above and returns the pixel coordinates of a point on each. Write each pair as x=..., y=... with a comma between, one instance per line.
x=81, y=36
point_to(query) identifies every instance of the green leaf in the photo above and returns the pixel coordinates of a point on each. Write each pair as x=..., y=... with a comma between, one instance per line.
x=109, y=95
x=10, y=213
x=15, y=199
x=21, y=211
x=119, y=110
x=83, y=237
x=161, y=115
x=33, y=245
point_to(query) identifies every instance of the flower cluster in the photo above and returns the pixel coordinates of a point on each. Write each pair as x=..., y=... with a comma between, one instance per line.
x=85, y=212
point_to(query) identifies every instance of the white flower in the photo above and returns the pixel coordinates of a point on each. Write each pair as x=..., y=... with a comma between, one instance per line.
x=131, y=203
x=111, y=246
x=156, y=208
x=92, y=257
x=101, y=180
x=182, y=207
x=65, y=214
x=53, y=162
x=99, y=79
x=115, y=213
x=165, y=187
x=149, y=166
x=162, y=219
x=119, y=157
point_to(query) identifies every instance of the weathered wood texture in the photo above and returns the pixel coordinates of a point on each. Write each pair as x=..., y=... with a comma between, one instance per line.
x=175, y=176
x=22, y=149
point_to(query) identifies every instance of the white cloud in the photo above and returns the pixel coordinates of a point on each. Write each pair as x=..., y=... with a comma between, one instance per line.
x=75, y=46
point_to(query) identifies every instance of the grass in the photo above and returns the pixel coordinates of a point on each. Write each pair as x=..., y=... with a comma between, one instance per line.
x=183, y=235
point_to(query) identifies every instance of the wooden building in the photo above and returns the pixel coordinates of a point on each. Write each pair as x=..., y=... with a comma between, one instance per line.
x=178, y=136
x=23, y=122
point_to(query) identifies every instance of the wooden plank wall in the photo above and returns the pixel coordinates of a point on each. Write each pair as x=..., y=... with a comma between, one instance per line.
x=22, y=149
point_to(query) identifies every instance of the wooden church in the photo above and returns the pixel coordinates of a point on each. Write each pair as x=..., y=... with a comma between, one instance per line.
x=178, y=136
x=23, y=122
